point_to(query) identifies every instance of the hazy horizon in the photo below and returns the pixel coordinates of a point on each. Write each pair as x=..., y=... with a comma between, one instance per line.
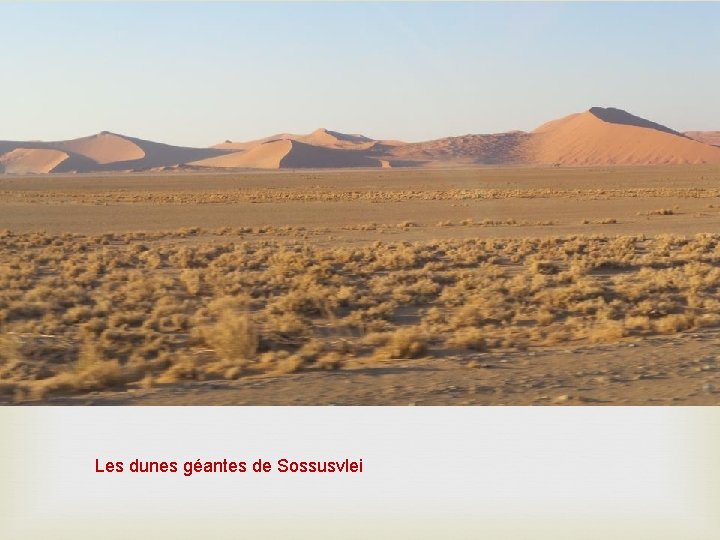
x=197, y=74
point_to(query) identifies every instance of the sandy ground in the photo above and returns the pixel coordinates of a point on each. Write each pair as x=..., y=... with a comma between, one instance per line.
x=566, y=197
x=681, y=369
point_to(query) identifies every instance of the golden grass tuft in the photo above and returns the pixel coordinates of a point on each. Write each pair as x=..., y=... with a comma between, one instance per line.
x=232, y=337
x=406, y=343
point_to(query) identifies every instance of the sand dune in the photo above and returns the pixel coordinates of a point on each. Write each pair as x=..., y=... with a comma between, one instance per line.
x=307, y=156
x=500, y=148
x=104, y=148
x=290, y=154
x=108, y=152
x=335, y=139
x=163, y=155
x=320, y=137
x=707, y=137
x=31, y=160
x=262, y=156
x=599, y=137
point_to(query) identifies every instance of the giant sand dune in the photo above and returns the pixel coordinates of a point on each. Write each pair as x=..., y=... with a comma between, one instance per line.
x=598, y=136
x=97, y=153
x=287, y=153
x=613, y=137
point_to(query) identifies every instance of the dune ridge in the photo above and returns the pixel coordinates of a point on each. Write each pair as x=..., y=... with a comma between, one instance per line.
x=597, y=136
x=491, y=149
x=320, y=137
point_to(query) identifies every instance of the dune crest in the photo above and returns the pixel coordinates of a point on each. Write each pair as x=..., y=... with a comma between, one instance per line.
x=320, y=137
x=335, y=139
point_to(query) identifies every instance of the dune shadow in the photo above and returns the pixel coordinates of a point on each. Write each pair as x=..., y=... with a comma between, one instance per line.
x=618, y=116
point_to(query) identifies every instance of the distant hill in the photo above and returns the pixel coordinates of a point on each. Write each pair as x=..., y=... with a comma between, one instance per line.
x=102, y=152
x=598, y=136
x=707, y=137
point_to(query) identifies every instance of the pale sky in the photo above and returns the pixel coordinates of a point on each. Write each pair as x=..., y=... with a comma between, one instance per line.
x=199, y=73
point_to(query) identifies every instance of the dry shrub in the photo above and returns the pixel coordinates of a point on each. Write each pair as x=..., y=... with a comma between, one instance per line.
x=100, y=376
x=232, y=337
x=545, y=267
x=607, y=332
x=331, y=360
x=406, y=343
x=291, y=364
x=673, y=323
x=468, y=338
x=192, y=281
x=183, y=368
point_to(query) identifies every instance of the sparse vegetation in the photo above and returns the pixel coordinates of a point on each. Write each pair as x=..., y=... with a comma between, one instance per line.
x=659, y=212
x=87, y=313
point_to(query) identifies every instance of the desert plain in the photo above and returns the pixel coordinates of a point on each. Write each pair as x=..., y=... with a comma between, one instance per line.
x=577, y=264
x=505, y=285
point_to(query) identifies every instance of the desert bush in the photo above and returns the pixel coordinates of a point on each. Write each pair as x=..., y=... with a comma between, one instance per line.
x=406, y=343
x=233, y=337
x=468, y=338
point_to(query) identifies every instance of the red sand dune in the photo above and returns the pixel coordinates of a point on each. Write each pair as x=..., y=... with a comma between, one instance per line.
x=494, y=149
x=599, y=136
x=286, y=153
x=613, y=137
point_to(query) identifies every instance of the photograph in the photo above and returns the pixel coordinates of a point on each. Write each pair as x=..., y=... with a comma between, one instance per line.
x=364, y=270
x=360, y=204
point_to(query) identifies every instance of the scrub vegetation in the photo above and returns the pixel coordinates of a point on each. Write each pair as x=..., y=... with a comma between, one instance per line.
x=88, y=313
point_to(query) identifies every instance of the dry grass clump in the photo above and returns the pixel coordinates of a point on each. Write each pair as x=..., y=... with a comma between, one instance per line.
x=468, y=338
x=603, y=221
x=547, y=268
x=405, y=343
x=658, y=212
x=82, y=314
x=232, y=337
